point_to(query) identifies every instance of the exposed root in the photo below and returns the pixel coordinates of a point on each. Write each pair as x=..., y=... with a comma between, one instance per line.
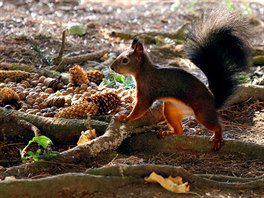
x=114, y=135
x=199, y=181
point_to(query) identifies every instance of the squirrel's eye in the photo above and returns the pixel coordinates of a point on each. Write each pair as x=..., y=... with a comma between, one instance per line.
x=125, y=60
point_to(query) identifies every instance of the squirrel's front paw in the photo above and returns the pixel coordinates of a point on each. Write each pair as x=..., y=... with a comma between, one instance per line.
x=121, y=118
x=216, y=143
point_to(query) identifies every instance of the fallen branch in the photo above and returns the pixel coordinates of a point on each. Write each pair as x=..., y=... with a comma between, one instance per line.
x=80, y=58
x=152, y=37
x=61, y=60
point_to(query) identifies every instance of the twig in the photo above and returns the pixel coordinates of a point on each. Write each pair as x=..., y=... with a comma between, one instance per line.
x=83, y=57
x=62, y=60
x=57, y=60
x=148, y=37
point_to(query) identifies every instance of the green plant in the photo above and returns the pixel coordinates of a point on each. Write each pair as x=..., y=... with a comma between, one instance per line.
x=113, y=80
x=43, y=152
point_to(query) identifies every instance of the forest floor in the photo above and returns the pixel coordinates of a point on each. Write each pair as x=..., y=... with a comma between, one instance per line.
x=30, y=34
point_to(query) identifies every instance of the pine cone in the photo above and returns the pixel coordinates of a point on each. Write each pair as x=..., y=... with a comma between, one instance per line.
x=95, y=76
x=14, y=75
x=78, y=75
x=106, y=102
x=78, y=111
x=8, y=95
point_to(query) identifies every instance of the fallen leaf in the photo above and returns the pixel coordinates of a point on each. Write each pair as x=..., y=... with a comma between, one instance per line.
x=177, y=179
x=173, y=184
x=86, y=136
x=77, y=29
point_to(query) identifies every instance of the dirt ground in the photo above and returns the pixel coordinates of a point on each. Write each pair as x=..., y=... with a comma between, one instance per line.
x=30, y=33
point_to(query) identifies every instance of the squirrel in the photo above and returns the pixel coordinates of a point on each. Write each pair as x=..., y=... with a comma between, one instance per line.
x=219, y=46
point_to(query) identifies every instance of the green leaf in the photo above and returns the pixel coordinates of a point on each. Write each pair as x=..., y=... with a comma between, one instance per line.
x=30, y=142
x=34, y=156
x=77, y=29
x=120, y=78
x=39, y=151
x=42, y=140
x=114, y=80
x=31, y=153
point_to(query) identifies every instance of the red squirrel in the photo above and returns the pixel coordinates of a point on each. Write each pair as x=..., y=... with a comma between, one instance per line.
x=219, y=46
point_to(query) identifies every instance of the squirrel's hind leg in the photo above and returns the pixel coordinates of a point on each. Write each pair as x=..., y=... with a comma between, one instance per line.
x=173, y=117
x=209, y=118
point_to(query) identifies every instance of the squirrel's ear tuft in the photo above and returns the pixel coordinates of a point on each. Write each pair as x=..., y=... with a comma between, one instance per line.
x=134, y=42
x=138, y=48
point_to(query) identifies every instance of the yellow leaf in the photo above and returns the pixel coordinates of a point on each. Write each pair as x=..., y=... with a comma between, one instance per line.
x=86, y=136
x=168, y=183
x=177, y=179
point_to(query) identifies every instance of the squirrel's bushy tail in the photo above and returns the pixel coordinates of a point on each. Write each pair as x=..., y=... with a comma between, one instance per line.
x=219, y=46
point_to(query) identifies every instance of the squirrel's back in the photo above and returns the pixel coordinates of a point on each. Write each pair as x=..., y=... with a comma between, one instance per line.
x=219, y=46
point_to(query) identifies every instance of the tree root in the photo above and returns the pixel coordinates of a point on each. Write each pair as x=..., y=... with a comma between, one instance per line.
x=200, y=182
x=114, y=135
x=27, y=125
x=71, y=185
x=62, y=131
x=118, y=180
x=164, y=170
x=6, y=128
x=224, y=178
x=257, y=51
x=149, y=143
x=247, y=92
x=258, y=60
